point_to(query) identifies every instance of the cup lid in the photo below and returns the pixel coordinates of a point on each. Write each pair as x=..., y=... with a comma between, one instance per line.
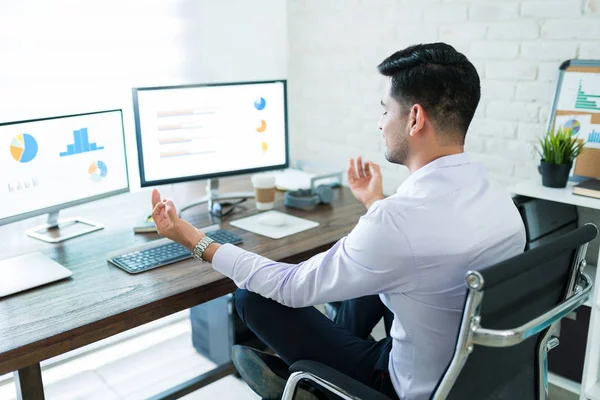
x=263, y=180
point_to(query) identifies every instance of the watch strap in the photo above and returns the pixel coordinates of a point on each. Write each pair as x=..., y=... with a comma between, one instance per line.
x=201, y=247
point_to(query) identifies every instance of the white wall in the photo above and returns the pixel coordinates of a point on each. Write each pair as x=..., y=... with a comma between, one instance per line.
x=67, y=56
x=516, y=46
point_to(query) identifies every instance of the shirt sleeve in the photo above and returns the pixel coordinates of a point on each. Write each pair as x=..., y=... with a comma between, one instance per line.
x=374, y=258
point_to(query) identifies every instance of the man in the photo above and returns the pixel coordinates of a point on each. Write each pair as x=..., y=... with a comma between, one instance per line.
x=412, y=248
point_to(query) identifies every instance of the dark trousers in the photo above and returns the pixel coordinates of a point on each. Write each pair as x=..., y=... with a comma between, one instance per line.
x=306, y=334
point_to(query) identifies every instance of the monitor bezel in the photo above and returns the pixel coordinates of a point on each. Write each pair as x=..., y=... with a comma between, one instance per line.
x=138, y=134
x=58, y=207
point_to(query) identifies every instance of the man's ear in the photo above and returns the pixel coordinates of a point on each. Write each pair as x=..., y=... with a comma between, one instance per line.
x=417, y=119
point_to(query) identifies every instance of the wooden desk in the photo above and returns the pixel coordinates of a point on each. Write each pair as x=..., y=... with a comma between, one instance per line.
x=100, y=300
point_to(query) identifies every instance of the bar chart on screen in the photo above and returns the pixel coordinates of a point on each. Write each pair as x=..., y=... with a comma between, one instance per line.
x=186, y=131
x=80, y=144
x=23, y=185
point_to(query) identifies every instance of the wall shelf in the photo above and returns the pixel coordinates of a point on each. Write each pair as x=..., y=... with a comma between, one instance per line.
x=564, y=383
x=594, y=392
x=562, y=195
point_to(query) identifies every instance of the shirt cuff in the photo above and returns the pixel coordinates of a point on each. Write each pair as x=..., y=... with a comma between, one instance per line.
x=225, y=258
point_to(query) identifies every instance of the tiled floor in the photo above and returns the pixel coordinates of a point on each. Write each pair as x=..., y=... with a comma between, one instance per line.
x=136, y=369
x=147, y=364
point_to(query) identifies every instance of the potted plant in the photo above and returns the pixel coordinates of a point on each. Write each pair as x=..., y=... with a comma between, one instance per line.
x=557, y=150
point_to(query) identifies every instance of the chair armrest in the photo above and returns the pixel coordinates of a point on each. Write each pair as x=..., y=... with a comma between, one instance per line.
x=335, y=378
x=511, y=337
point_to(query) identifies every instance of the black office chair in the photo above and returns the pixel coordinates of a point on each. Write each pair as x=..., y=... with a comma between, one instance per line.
x=520, y=301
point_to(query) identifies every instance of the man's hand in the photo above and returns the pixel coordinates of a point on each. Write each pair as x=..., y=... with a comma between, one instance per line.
x=170, y=225
x=365, y=181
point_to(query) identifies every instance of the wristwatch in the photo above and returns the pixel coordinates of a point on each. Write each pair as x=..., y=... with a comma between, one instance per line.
x=201, y=247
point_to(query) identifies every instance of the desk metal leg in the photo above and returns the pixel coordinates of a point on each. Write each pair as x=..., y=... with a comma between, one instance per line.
x=29, y=383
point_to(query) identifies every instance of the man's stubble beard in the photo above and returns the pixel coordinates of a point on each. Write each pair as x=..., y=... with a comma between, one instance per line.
x=399, y=153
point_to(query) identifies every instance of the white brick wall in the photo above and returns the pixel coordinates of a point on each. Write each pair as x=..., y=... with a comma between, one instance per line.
x=461, y=32
x=497, y=90
x=494, y=50
x=590, y=49
x=534, y=91
x=524, y=29
x=447, y=13
x=571, y=28
x=489, y=127
x=549, y=50
x=528, y=131
x=493, y=11
x=516, y=46
x=515, y=111
x=551, y=8
x=511, y=70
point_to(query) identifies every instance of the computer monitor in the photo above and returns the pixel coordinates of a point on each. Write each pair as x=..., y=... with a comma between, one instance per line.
x=49, y=164
x=207, y=131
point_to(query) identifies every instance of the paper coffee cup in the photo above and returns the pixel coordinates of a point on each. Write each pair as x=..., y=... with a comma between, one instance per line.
x=264, y=191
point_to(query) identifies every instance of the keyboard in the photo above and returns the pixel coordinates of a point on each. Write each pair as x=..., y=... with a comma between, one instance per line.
x=164, y=252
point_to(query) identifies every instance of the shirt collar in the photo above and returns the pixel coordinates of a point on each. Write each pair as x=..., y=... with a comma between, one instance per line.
x=439, y=163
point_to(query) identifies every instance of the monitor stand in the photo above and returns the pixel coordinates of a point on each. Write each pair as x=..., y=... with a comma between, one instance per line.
x=55, y=230
x=213, y=196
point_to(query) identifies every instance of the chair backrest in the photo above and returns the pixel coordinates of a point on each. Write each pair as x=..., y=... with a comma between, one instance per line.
x=506, y=296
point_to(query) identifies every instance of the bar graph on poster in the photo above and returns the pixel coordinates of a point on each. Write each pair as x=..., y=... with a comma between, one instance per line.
x=578, y=106
x=580, y=92
x=576, y=109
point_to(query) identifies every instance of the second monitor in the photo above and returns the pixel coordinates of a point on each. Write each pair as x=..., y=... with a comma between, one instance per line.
x=49, y=164
x=207, y=131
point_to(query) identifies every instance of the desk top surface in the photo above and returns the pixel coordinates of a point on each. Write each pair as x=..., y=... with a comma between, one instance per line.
x=100, y=300
x=534, y=188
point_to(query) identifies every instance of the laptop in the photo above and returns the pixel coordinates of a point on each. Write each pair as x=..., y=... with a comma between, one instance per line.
x=29, y=271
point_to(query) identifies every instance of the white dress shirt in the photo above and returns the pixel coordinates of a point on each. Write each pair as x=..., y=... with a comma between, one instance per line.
x=413, y=249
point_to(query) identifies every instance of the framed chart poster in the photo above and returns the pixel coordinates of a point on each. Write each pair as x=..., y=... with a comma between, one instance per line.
x=576, y=108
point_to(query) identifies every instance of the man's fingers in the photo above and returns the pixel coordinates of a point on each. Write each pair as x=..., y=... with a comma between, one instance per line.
x=360, y=168
x=158, y=209
x=351, y=171
x=155, y=197
x=374, y=168
x=171, y=211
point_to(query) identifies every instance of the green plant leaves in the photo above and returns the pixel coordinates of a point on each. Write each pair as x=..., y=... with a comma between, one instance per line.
x=559, y=147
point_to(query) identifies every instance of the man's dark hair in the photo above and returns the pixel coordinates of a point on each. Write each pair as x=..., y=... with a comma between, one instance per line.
x=439, y=78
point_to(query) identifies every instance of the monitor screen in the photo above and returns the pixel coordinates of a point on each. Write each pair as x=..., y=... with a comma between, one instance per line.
x=53, y=163
x=205, y=131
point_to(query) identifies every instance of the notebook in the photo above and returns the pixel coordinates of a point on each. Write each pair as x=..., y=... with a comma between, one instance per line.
x=145, y=226
x=589, y=188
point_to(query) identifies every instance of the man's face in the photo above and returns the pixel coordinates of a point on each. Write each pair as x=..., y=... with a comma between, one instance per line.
x=393, y=124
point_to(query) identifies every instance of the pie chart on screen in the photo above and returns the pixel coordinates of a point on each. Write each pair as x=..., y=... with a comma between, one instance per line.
x=23, y=148
x=97, y=171
x=260, y=103
x=262, y=127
